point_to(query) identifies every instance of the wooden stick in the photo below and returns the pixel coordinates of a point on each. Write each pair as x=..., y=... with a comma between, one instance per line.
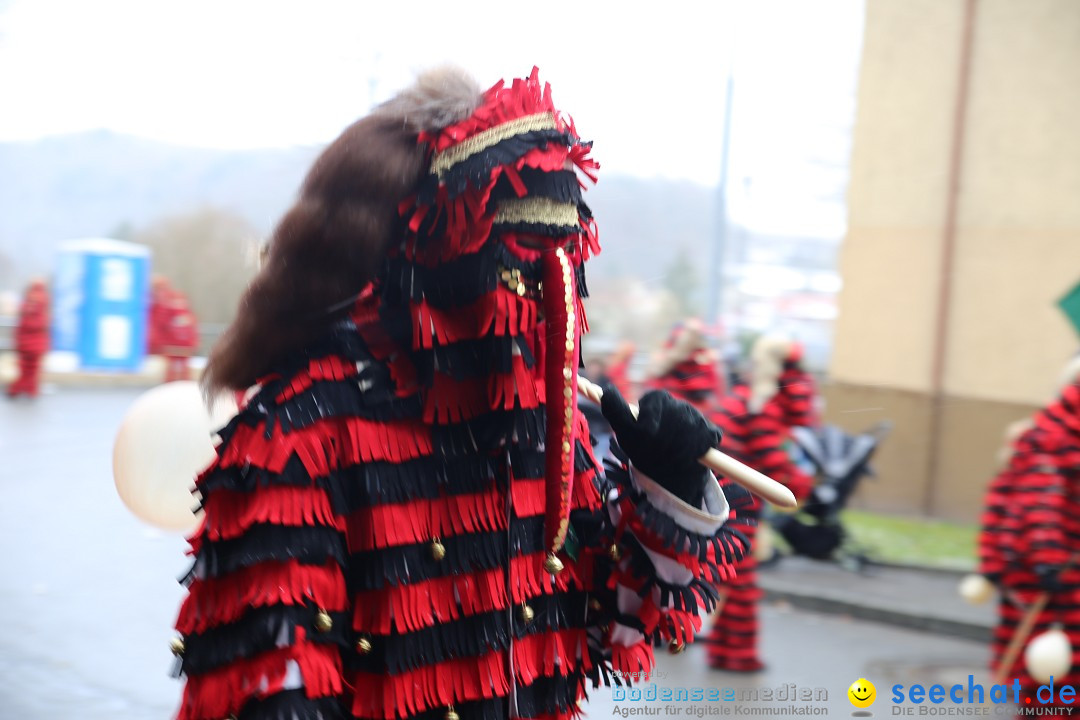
x=1019, y=638
x=754, y=481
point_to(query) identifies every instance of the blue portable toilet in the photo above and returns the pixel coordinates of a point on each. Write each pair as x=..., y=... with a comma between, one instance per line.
x=100, y=296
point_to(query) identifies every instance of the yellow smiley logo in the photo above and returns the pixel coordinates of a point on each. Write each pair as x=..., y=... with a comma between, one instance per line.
x=862, y=693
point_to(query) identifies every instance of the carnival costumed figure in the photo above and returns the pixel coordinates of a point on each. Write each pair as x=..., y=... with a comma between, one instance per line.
x=179, y=337
x=31, y=339
x=1029, y=542
x=618, y=368
x=406, y=519
x=158, y=314
x=756, y=421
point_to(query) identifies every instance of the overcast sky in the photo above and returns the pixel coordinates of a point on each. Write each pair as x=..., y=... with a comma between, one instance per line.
x=648, y=87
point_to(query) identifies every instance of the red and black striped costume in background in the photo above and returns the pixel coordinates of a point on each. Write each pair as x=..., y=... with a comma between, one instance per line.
x=31, y=340
x=1030, y=536
x=756, y=439
x=794, y=401
x=373, y=544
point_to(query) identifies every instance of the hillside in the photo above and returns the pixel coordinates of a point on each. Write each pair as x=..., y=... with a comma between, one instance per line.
x=91, y=184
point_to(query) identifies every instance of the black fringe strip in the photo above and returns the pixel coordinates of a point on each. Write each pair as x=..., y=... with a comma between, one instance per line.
x=405, y=564
x=541, y=229
x=263, y=543
x=469, y=636
x=641, y=567
x=382, y=482
x=560, y=186
x=549, y=695
x=295, y=705
x=491, y=431
x=260, y=630
x=494, y=709
x=342, y=398
x=455, y=283
x=249, y=478
x=476, y=169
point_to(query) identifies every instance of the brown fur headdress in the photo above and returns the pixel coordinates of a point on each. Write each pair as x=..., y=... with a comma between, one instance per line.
x=332, y=242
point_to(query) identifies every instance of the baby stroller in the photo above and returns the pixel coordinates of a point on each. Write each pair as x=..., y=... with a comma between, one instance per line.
x=840, y=460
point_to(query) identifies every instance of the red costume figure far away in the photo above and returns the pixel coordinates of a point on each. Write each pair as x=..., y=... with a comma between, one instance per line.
x=1030, y=538
x=31, y=339
x=756, y=421
x=406, y=519
x=179, y=336
x=755, y=424
x=157, y=314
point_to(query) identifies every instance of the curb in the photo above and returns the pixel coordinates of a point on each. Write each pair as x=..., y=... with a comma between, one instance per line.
x=895, y=616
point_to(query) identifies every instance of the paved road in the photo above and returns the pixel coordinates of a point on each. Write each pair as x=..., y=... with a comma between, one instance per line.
x=88, y=593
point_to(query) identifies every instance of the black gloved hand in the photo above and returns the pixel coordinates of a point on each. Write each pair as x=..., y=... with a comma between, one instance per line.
x=664, y=441
x=1049, y=578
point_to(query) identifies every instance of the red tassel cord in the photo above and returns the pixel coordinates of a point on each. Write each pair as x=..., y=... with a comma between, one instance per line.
x=562, y=337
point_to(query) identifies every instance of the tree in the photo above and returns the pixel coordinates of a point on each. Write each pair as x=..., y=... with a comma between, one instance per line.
x=209, y=255
x=681, y=281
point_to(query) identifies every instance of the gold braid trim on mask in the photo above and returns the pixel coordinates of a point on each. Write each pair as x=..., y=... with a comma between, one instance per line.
x=454, y=154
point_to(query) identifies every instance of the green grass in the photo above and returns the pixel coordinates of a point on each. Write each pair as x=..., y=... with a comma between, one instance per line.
x=913, y=541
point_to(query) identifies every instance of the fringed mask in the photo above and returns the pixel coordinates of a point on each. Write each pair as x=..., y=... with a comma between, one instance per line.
x=486, y=287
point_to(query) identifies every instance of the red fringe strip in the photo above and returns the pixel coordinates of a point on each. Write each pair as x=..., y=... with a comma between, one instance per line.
x=219, y=601
x=433, y=686
x=408, y=608
x=230, y=513
x=529, y=578
x=638, y=658
x=680, y=625
x=501, y=313
x=326, y=444
x=217, y=694
x=544, y=654
x=420, y=520
x=528, y=495
x=451, y=400
x=331, y=367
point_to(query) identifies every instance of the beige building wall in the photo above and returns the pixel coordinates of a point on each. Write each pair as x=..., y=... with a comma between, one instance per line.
x=992, y=135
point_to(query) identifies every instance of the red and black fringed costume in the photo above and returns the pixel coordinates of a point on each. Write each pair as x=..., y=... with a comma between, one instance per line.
x=406, y=519
x=31, y=340
x=1030, y=538
x=756, y=437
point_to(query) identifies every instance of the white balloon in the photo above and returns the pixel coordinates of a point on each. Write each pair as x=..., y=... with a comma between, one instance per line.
x=163, y=443
x=1048, y=655
x=976, y=589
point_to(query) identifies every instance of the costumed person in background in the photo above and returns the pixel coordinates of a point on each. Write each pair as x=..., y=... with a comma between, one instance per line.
x=687, y=368
x=179, y=337
x=31, y=339
x=1029, y=543
x=158, y=313
x=618, y=368
x=406, y=520
x=756, y=421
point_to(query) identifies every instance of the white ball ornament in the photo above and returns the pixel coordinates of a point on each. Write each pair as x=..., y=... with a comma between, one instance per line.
x=163, y=443
x=1048, y=655
x=976, y=589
